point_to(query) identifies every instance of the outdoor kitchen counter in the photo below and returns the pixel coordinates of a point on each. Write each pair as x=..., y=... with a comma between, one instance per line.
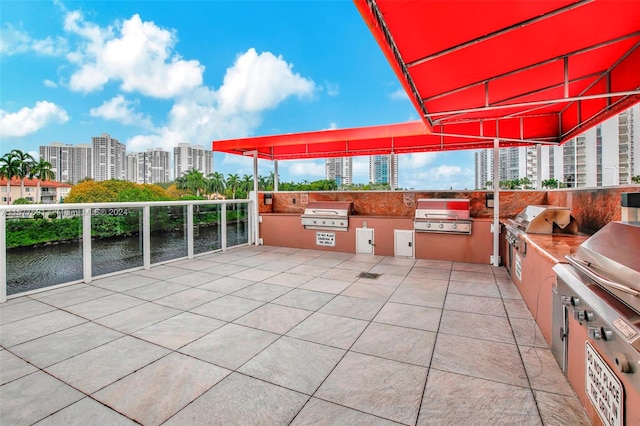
x=554, y=247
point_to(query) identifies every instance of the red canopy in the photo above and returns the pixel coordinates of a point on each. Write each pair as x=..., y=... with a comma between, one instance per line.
x=522, y=71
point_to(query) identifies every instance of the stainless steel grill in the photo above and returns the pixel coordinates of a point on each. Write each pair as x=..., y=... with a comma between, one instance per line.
x=600, y=290
x=327, y=215
x=544, y=220
x=446, y=215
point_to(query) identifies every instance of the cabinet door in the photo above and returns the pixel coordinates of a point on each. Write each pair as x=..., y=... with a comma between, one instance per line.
x=403, y=243
x=364, y=240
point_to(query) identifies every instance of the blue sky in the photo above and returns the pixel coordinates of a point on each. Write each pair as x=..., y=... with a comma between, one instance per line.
x=156, y=73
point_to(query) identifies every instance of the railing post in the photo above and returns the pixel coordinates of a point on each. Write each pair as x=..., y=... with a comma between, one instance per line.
x=223, y=226
x=190, y=231
x=3, y=257
x=86, y=244
x=146, y=236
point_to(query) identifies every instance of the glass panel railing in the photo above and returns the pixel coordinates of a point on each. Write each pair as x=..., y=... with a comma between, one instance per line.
x=43, y=245
x=44, y=248
x=207, y=223
x=237, y=224
x=168, y=233
x=116, y=243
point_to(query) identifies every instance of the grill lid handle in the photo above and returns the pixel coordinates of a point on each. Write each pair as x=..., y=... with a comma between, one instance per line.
x=325, y=211
x=578, y=264
x=441, y=215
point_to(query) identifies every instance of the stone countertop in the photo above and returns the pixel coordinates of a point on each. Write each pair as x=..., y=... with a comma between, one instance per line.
x=553, y=247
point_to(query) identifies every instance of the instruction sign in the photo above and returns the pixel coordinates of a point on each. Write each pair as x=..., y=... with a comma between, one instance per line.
x=603, y=388
x=326, y=239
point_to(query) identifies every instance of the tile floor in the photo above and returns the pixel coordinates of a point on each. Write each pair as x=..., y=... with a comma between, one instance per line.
x=268, y=336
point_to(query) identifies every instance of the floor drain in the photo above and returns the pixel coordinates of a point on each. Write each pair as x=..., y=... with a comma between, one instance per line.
x=369, y=275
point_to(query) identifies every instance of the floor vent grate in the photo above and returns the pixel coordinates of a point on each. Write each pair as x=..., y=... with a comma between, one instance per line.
x=369, y=275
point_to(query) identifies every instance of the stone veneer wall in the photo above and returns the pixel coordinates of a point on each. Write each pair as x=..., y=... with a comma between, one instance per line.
x=593, y=208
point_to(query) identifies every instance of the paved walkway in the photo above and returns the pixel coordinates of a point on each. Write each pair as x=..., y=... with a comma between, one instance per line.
x=266, y=335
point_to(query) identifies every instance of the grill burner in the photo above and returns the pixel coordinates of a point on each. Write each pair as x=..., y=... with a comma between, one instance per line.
x=327, y=215
x=445, y=215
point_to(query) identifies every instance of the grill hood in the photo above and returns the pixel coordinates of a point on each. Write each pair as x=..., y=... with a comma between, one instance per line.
x=545, y=220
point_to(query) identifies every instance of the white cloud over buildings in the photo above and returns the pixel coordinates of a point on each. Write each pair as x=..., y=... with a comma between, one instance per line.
x=29, y=120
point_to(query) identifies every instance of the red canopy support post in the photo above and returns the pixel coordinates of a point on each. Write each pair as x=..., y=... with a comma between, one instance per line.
x=495, y=259
x=275, y=175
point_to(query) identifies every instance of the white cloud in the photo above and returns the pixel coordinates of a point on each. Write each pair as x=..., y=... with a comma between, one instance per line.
x=399, y=95
x=360, y=169
x=333, y=89
x=254, y=84
x=443, y=176
x=137, y=54
x=332, y=126
x=14, y=41
x=312, y=168
x=416, y=161
x=29, y=120
x=50, y=83
x=121, y=110
x=259, y=82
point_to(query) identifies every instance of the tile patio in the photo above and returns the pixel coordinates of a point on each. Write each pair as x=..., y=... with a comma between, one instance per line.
x=276, y=336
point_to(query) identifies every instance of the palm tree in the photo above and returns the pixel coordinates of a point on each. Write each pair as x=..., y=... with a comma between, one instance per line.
x=25, y=163
x=233, y=182
x=216, y=182
x=193, y=180
x=41, y=170
x=271, y=181
x=247, y=184
x=9, y=167
x=262, y=183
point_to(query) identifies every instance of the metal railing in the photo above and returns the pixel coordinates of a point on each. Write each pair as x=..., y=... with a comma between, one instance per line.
x=81, y=235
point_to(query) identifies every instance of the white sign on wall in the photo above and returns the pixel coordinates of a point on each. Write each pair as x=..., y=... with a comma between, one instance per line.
x=326, y=239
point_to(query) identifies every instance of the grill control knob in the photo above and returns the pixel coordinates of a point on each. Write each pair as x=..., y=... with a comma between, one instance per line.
x=441, y=225
x=578, y=315
x=575, y=301
x=428, y=225
x=588, y=315
x=454, y=226
x=607, y=334
x=622, y=364
x=594, y=333
x=566, y=300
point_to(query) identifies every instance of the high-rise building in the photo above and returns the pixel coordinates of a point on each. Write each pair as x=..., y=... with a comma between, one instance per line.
x=187, y=157
x=109, y=158
x=484, y=168
x=608, y=154
x=131, y=168
x=380, y=169
x=70, y=163
x=339, y=169
x=151, y=166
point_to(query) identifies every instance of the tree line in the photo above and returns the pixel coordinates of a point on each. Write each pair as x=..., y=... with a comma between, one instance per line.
x=215, y=185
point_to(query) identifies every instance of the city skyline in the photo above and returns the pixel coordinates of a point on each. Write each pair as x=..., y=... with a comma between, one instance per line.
x=155, y=74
